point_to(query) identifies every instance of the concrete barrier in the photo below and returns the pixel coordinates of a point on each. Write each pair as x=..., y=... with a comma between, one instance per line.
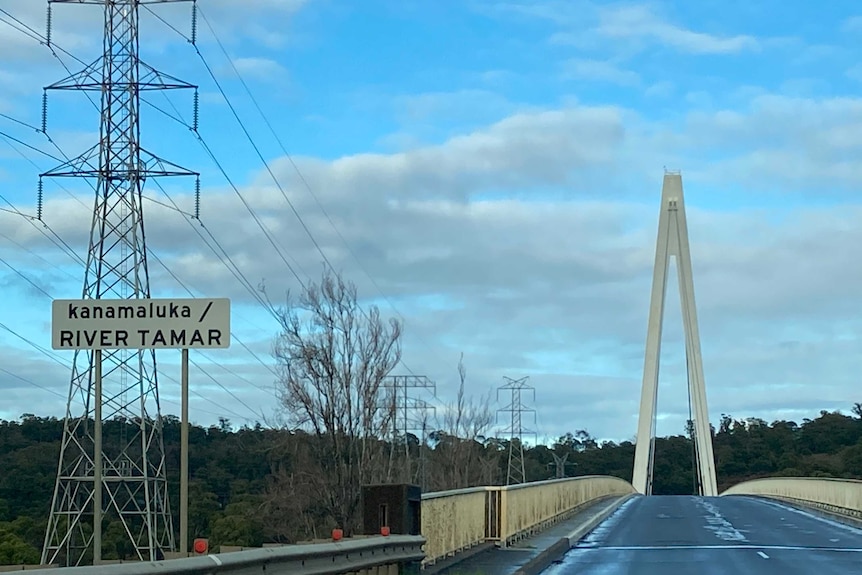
x=459, y=520
x=841, y=497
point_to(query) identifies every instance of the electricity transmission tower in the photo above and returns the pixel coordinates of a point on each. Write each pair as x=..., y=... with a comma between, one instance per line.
x=516, y=408
x=409, y=414
x=128, y=483
x=560, y=465
x=673, y=241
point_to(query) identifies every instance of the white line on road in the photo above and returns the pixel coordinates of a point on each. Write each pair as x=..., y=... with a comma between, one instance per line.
x=762, y=554
x=703, y=547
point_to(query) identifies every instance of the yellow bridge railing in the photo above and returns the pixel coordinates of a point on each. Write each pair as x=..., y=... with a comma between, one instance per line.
x=840, y=496
x=453, y=521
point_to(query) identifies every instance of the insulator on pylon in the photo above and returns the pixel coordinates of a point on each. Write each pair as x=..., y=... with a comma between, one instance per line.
x=197, y=215
x=194, y=23
x=48, y=27
x=117, y=266
x=44, y=111
x=39, y=201
x=196, y=110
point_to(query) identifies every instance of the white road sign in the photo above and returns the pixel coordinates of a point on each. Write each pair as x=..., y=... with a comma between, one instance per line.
x=140, y=323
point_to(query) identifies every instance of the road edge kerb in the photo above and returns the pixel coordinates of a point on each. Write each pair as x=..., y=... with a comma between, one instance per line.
x=556, y=551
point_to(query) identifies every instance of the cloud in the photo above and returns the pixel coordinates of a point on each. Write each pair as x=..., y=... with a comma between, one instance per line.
x=600, y=70
x=556, y=11
x=637, y=23
x=279, y=6
x=855, y=73
x=852, y=24
x=22, y=28
x=261, y=69
x=535, y=234
x=660, y=90
x=264, y=22
x=629, y=28
x=512, y=222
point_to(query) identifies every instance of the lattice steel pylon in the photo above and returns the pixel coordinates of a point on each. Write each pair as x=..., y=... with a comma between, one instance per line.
x=560, y=465
x=133, y=478
x=409, y=414
x=516, y=469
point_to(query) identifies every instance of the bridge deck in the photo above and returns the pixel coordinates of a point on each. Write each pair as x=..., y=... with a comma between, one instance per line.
x=684, y=535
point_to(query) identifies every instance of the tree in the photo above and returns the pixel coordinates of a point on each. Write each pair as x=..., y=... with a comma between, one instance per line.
x=332, y=357
x=459, y=451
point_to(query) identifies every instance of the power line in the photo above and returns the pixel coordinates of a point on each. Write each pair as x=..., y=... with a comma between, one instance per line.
x=50, y=355
x=57, y=359
x=69, y=251
x=255, y=146
x=134, y=477
x=63, y=363
x=173, y=207
x=37, y=256
x=20, y=274
x=299, y=173
x=266, y=164
x=233, y=335
x=231, y=266
x=33, y=383
x=222, y=255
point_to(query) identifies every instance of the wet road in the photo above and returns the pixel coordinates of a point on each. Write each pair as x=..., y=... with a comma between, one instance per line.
x=712, y=536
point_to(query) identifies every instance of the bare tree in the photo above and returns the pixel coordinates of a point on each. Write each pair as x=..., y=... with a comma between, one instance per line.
x=332, y=357
x=460, y=451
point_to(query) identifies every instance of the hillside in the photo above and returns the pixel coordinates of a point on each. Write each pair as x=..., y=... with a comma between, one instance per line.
x=253, y=485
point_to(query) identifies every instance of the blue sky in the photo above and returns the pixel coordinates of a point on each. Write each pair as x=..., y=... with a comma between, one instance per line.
x=491, y=170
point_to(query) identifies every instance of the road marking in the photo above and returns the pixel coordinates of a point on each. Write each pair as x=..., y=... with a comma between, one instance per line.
x=721, y=527
x=706, y=547
x=215, y=559
x=762, y=554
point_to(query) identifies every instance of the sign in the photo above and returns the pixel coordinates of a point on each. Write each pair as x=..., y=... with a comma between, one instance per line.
x=198, y=323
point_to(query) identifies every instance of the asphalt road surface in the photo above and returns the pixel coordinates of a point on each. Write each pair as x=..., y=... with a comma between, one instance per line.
x=711, y=536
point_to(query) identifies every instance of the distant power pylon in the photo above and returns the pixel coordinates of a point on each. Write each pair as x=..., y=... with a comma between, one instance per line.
x=672, y=241
x=560, y=464
x=409, y=414
x=128, y=483
x=516, y=408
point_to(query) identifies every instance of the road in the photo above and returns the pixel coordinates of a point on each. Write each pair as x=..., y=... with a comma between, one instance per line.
x=714, y=536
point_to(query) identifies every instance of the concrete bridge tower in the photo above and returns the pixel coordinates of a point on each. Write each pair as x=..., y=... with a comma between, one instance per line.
x=673, y=241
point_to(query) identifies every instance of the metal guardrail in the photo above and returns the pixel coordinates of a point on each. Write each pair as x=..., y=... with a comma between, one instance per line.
x=350, y=556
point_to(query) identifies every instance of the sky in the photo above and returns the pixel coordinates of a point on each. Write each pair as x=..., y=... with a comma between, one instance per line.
x=487, y=171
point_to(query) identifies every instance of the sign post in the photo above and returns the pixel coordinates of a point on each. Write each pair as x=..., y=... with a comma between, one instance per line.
x=184, y=454
x=97, y=324
x=97, y=459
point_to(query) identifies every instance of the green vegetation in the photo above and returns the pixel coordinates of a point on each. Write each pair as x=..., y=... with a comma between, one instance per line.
x=256, y=485
x=250, y=486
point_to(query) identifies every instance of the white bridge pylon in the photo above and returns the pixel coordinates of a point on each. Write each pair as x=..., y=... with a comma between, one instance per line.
x=673, y=241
